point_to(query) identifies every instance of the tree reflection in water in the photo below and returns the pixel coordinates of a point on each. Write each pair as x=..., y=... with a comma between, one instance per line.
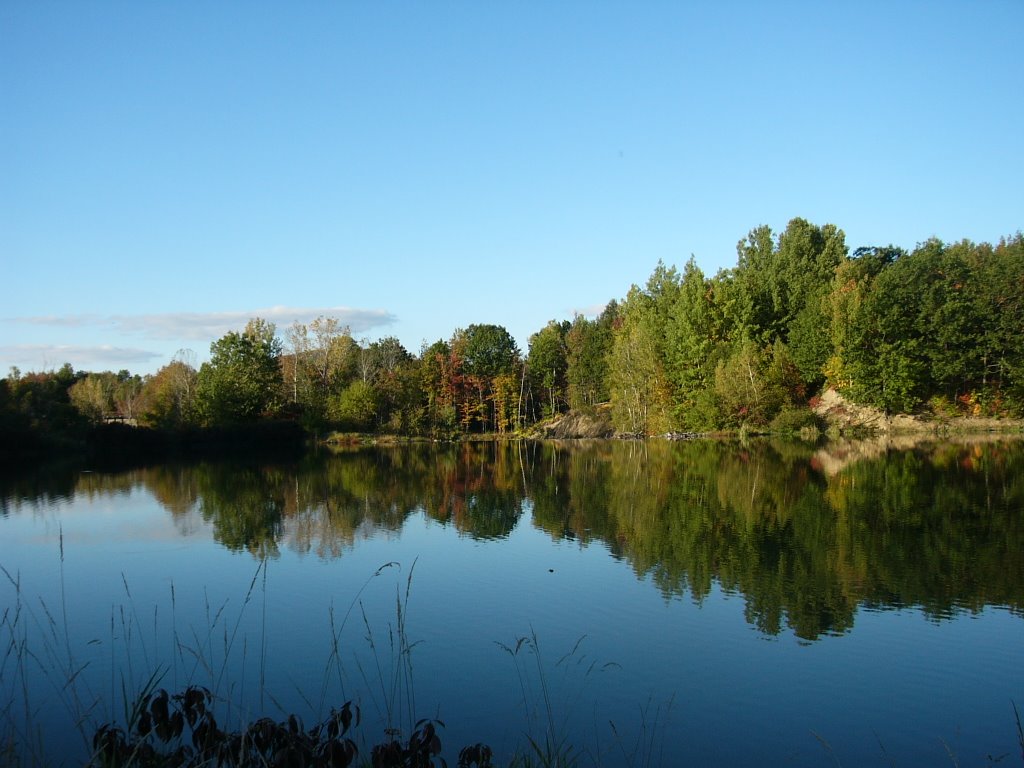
x=804, y=537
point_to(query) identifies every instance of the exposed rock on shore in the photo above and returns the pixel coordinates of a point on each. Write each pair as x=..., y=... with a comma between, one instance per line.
x=579, y=424
x=841, y=413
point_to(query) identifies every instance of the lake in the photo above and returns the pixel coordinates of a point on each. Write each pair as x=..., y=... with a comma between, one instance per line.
x=640, y=603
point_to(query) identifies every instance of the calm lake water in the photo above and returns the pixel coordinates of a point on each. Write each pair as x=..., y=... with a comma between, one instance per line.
x=653, y=603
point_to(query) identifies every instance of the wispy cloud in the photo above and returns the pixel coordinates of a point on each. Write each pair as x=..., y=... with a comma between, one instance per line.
x=209, y=326
x=46, y=356
x=592, y=311
x=63, y=321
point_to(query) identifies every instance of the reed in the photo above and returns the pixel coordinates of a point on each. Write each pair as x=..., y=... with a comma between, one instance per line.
x=548, y=729
x=132, y=720
x=1020, y=730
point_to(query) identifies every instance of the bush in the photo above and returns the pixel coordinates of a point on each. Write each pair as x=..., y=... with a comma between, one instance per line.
x=941, y=407
x=802, y=421
x=355, y=407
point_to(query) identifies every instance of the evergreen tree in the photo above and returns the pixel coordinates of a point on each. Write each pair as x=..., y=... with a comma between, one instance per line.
x=694, y=339
x=588, y=343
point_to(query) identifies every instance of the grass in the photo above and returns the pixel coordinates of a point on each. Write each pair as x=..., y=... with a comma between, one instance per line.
x=1020, y=730
x=548, y=727
x=50, y=677
x=134, y=720
x=551, y=747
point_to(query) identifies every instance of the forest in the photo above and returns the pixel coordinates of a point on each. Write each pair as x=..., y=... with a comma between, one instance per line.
x=935, y=330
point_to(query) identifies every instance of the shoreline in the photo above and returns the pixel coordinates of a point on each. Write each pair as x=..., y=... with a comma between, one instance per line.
x=839, y=423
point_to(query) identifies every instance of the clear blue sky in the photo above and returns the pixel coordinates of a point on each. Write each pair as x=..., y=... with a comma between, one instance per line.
x=168, y=170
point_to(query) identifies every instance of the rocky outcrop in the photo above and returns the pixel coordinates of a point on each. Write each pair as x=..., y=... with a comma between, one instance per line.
x=842, y=414
x=839, y=412
x=578, y=425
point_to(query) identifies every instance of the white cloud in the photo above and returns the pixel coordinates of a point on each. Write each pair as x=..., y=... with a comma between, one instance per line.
x=44, y=356
x=592, y=311
x=209, y=326
x=65, y=321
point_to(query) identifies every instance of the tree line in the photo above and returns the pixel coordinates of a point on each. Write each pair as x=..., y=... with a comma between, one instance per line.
x=937, y=328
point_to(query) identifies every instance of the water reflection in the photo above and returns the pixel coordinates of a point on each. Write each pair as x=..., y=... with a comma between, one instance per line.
x=806, y=537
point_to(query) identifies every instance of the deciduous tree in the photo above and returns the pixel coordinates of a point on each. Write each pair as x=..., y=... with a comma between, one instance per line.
x=169, y=395
x=547, y=365
x=324, y=359
x=243, y=380
x=637, y=383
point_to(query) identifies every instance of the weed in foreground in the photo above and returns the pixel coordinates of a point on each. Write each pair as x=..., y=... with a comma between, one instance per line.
x=52, y=695
x=181, y=731
x=548, y=720
x=1020, y=730
x=648, y=747
x=157, y=729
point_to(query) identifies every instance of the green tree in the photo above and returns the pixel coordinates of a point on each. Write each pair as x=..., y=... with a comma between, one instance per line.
x=107, y=395
x=804, y=265
x=851, y=285
x=386, y=357
x=17, y=438
x=547, y=363
x=489, y=351
x=128, y=396
x=588, y=343
x=38, y=412
x=405, y=406
x=485, y=352
x=242, y=381
x=324, y=358
x=443, y=385
x=886, y=365
x=638, y=383
x=355, y=407
x=695, y=338
x=753, y=384
x=922, y=327
x=385, y=365
x=93, y=396
x=638, y=386
x=756, y=287
x=999, y=308
x=948, y=324
x=781, y=288
x=505, y=392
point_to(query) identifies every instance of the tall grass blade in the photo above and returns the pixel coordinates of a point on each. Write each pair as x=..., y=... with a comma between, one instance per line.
x=828, y=748
x=1020, y=730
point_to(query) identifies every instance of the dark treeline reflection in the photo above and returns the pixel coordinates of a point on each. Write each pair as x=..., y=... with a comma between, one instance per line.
x=940, y=527
x=804, y=537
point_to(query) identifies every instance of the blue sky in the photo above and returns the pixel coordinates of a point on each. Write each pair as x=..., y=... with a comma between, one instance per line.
x=168, y=170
